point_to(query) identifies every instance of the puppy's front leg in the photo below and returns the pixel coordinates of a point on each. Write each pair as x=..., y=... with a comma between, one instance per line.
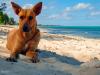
x=13, y=56
x=33, y=56
x=32, y=47
x=15, y=52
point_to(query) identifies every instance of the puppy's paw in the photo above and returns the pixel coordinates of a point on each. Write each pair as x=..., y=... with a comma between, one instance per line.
x=35, y=60
x=10, y=59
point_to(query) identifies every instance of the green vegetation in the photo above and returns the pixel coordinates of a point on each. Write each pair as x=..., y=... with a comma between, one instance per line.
x=4, y=18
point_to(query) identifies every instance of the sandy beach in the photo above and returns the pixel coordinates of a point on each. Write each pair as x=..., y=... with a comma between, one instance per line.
x=59, y=55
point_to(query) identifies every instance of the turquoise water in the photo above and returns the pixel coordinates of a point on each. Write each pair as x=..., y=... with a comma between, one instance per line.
x=85, y=31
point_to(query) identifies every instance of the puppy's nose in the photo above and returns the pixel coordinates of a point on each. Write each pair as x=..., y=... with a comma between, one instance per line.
x=25, y=27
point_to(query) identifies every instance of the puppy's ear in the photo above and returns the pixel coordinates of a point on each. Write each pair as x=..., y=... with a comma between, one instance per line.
x=16, y=8
x=37, y=8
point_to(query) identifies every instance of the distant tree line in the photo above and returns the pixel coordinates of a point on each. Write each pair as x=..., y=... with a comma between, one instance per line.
x=4, y=18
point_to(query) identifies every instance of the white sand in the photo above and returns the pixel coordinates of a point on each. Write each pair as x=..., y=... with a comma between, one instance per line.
x=59, y=55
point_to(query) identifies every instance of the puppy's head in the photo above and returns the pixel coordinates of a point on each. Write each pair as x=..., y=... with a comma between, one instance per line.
x=27, y=17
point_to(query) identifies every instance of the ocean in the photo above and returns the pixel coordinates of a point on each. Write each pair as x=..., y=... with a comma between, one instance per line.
x=84, y=31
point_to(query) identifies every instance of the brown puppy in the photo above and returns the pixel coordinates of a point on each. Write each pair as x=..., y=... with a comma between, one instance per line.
x=26, y=38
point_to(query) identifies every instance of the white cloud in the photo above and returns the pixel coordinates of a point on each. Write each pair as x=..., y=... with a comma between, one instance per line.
x=81, y=6
x=62, y=15
x=59, y=16
x=9, y=9
x=51, y=7
x=27, y=6
x=95, y=13
x=67, y=9
x=45, y=7
x=91, y=8
x=54, y=16
x=71, y=9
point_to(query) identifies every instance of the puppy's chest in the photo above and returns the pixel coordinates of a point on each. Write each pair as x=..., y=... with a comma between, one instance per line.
x=26, y=47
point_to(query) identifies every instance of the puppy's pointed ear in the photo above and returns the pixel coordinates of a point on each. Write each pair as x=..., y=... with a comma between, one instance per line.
x=37, y=8
x=16, y=8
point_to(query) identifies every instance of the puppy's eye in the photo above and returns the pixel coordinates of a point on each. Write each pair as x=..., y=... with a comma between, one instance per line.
x=21, y=17
x=30, y=17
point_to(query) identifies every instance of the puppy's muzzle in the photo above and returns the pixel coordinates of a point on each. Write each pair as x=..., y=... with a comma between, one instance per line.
x=25, y=28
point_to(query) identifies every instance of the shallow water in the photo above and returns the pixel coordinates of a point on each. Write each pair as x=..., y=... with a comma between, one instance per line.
x=84, y=31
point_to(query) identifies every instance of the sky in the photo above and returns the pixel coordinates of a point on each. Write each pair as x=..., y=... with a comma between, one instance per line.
x=62, y=12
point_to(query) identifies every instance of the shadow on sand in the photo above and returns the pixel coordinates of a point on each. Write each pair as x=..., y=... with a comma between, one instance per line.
x=63, y=59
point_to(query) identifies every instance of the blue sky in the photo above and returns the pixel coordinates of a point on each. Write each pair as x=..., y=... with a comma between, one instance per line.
x=63, y=12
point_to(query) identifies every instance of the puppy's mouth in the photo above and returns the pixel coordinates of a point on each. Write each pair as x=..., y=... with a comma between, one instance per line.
x=26, y=28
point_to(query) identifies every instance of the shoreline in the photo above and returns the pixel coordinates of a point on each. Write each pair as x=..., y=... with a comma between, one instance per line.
x=45, y=31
